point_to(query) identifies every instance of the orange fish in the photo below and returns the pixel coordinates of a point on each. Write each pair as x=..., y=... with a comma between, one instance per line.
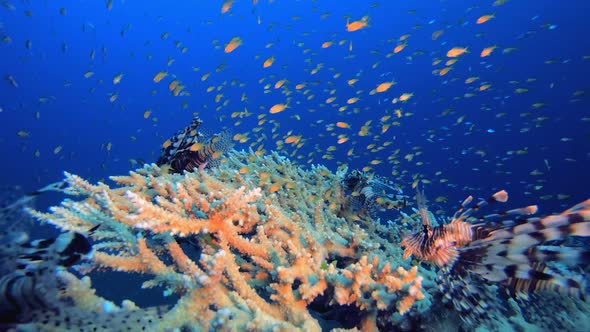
x=399, y=48
x=484, y=87
x=226, y=6
x=451, y=62
x=277, y=108
x=484, y=18
x=326, y=44
x=159, y=76
x=357, y=25
x=487, y=51
x=456, y=51
x=274, y=188
x=233, y=44
x=268, y=62
x=384, y=86
x=173, y=85
x=341, y=124
x=292, y=139
x=280, y=83
x=406, y=96
x=444, y=71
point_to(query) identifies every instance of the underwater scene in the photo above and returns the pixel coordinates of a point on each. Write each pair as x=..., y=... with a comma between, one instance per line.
x=294, y=165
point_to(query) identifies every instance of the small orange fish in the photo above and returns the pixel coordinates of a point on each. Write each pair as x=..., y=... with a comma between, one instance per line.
x=341, y=124
x=487, y=51
x=451, y=62
x=456, y=51
x=357, y=25
x=384, y=86
x=484, y=18
x=173, y=85
x=274, y=188
x=406, y=96
x=268, y=62
x=292, y=139
x=326, y=44
x=399, y=48
x=352, y=100
x=342, y=139
x=277, y=108
x=196, y=147
x=444, y=71
x=226, y=6
x=233, y=44
x=159, y=76
x=484, y=87
x=280, y=83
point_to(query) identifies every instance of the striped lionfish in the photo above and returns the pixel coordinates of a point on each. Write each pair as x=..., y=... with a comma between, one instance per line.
x=189, y=149
x=369, y=194
x=27, y=268
x=524, y=254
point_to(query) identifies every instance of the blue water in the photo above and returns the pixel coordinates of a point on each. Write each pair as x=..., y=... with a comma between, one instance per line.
x=78, y=116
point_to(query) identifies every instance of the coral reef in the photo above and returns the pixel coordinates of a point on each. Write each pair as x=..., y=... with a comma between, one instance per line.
x=253, y=244
x=259, y=243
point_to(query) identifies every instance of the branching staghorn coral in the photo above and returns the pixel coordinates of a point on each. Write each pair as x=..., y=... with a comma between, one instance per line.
x=252, y=244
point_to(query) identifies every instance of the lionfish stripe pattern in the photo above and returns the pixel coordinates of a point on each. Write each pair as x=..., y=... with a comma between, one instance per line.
x=439, y=245
x=189, y=149
x=514, y=253
x=524, y=254
x=31, y=285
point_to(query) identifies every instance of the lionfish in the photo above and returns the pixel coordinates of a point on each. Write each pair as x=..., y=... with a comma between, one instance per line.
x=524, y=254
x=369, y=194
x=27, y=268
x=189, y=149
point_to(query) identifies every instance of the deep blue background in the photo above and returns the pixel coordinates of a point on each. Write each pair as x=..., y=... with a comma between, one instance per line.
x=127, y=39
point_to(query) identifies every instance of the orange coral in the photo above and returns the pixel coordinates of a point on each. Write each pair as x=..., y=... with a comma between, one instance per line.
x=263, y=254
